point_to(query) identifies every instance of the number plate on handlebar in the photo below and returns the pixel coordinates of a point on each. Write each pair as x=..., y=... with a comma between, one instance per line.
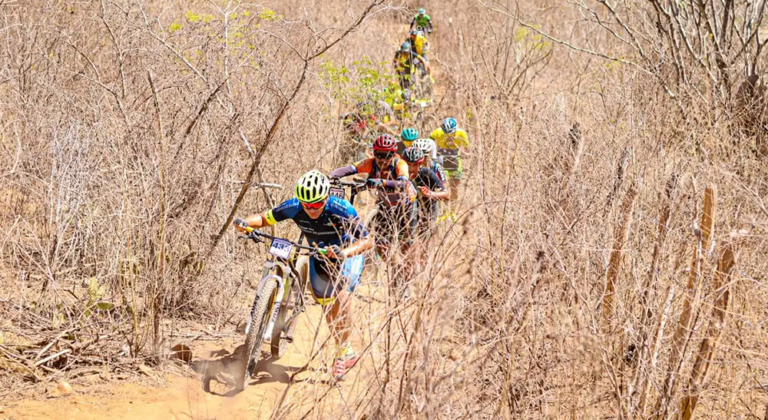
x=281, y=249
x=337, y=192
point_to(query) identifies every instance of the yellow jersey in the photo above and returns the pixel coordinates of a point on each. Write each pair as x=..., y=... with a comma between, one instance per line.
x=420, y=45
x=450, y=141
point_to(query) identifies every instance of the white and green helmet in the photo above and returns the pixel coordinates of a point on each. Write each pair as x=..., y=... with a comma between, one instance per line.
x=312, y=187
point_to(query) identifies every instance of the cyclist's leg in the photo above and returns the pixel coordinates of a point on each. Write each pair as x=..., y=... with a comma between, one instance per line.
x=454, y=181
x=340, y=317
x=336, y=302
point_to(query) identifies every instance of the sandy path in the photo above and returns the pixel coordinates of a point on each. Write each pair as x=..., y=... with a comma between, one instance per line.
x=184, y=397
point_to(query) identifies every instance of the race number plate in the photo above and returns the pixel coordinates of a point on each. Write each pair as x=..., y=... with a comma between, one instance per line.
x=281, y=249
x=337, y=192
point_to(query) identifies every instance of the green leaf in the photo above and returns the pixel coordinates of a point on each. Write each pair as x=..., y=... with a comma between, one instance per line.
x=105, y=306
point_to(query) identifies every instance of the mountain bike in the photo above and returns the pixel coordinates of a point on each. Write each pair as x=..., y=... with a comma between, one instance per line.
x=279, y=302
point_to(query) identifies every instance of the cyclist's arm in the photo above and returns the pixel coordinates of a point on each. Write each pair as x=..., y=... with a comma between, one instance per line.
x=255, y=221
x=343, y=171
x=362, y=167
x=358, y=247
x=443, y=195
x=354, y=229
x=435, y=187
x=463, y=139
x=285, y=210
x=401, y=171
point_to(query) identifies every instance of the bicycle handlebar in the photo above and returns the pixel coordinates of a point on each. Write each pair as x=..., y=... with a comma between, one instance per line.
x=354, y=185
x=256, y=236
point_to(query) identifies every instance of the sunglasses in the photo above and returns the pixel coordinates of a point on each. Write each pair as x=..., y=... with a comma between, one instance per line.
x=313, y=206
x=382, y=155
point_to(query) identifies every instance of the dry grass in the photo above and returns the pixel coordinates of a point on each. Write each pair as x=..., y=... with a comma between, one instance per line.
x=112, y=174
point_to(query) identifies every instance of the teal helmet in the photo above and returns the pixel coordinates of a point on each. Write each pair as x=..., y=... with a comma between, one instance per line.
x=406, y=46
x=409, y=134
x=421, y=11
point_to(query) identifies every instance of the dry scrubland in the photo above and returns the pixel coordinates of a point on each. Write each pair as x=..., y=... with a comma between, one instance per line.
x=559, y=293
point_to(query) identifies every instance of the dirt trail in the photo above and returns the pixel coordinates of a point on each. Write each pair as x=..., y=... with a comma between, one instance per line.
x=185, y=398
x=173, y=396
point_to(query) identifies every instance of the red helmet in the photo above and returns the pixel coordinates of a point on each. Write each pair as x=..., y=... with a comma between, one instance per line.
x=385, y=143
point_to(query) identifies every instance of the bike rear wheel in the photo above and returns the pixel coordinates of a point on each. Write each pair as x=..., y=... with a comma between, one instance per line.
x=280, y=341
x=260, y=314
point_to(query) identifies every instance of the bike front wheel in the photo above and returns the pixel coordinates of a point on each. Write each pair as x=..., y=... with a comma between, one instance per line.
x=282, y=339
x=260, y=314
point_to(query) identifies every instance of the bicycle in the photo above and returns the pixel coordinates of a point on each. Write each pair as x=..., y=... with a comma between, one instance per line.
x=278, y=303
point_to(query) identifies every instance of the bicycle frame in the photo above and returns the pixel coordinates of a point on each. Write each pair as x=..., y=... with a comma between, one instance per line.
x=288, y=270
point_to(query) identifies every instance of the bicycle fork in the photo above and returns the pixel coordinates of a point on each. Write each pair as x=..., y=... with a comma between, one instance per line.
x=276, y=306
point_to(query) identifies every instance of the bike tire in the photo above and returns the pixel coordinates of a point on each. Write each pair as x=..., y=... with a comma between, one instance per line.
x=259, y=318
x=279, y=344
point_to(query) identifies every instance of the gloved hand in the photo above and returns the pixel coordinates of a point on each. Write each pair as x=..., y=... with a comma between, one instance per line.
x=239, y=224
x=373, y=183
x=338, y=253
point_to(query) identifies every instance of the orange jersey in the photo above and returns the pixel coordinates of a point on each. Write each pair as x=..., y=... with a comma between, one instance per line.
x=398, y=170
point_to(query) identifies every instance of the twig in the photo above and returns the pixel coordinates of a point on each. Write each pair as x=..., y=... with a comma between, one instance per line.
x=276, y=123
x=51, y=357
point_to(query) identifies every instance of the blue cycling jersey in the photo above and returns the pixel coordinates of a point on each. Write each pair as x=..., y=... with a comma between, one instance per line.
x=339, y=223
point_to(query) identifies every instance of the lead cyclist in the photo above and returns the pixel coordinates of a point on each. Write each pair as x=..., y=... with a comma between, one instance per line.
x=333, y=224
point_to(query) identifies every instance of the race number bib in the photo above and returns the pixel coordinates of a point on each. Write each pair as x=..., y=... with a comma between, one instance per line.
x=337, y=192
x=281, y=248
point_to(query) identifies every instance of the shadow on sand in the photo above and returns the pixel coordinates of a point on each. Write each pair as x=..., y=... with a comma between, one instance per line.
x=223, y=367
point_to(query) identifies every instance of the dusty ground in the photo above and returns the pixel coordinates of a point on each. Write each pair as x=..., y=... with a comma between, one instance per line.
x=175, y=396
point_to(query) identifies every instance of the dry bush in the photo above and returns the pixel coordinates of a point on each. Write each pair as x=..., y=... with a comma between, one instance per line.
x=104, y=179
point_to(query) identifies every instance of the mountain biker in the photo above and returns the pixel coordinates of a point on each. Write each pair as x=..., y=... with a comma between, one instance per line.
x=397, y=210
x=404, y=62
x=449, y=139
x=330, y=223
x=431, y=189
x=429, y=149
x=407, y=137
x=422, y=20
x=419, y=43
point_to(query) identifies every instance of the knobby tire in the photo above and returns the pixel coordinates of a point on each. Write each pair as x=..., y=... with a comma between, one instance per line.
x=260, y=318
x=279, y=345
